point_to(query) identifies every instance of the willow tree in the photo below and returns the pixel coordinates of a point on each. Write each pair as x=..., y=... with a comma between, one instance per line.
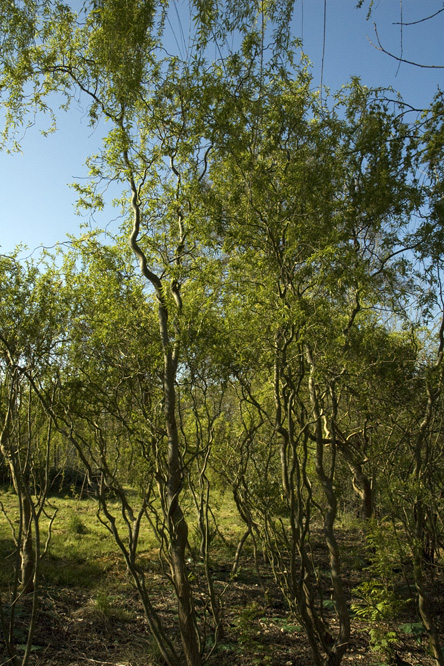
x=30, y=342
x=239, y=189
x=113, y=54
x=315, y=205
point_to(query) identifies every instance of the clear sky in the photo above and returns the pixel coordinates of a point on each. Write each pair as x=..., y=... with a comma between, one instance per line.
x=37, y=204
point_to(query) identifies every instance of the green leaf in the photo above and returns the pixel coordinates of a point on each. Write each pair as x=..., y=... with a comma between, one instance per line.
x=414, y=628
x=328, y=604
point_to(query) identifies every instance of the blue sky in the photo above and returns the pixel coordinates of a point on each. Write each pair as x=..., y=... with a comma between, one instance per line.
x=37, y=204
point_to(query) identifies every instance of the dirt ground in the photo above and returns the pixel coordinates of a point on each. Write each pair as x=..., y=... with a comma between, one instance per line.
x=77, y=627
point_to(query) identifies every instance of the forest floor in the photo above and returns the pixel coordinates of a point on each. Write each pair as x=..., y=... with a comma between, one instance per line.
x=90, y=613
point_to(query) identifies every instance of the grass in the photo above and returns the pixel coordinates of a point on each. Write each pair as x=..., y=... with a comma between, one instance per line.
x=89, y=599
x=82, y=550
x=83, y=570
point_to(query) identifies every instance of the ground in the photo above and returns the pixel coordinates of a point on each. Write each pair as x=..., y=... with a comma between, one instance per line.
x=90, y=612
x=77, y=627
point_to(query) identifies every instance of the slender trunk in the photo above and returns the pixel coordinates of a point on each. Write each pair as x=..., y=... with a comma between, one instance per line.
x=363, y=487
x=27, y=554
x=11, y=455
x=26, y=540
x=301, y=594
x=419, y=515
x=129, y=551
x=178, y=528
x=336, y=651
x=423, y=597
x=239, y=549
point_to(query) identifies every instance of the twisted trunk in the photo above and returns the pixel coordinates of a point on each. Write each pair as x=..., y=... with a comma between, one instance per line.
x=175, y=519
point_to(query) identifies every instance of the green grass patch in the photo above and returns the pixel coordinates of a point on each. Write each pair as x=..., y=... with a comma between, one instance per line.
x=82, y=550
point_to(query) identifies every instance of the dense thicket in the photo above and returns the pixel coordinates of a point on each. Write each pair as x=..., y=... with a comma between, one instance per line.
x=270, y=318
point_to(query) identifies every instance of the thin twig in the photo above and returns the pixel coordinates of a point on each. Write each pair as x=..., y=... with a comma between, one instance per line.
x=426, y=18
x=379, y=47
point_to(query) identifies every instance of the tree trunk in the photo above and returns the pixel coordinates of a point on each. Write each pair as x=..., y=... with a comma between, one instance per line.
x=178, y=528
x=423, y=597
x=27, y=554
x=336, y=651
x=362, y=485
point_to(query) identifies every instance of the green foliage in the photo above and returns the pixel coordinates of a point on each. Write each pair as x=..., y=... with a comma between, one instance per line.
x=76, y=525
x=416, y=629
x=383, y=641
x=276, y=235
x=379, y=602
x=378, y=599
x=376, y=602
x=249, y=635
x=107, y=607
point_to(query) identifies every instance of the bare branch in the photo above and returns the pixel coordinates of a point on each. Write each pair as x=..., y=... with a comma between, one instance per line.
x=379, y=47
x=426, y=18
